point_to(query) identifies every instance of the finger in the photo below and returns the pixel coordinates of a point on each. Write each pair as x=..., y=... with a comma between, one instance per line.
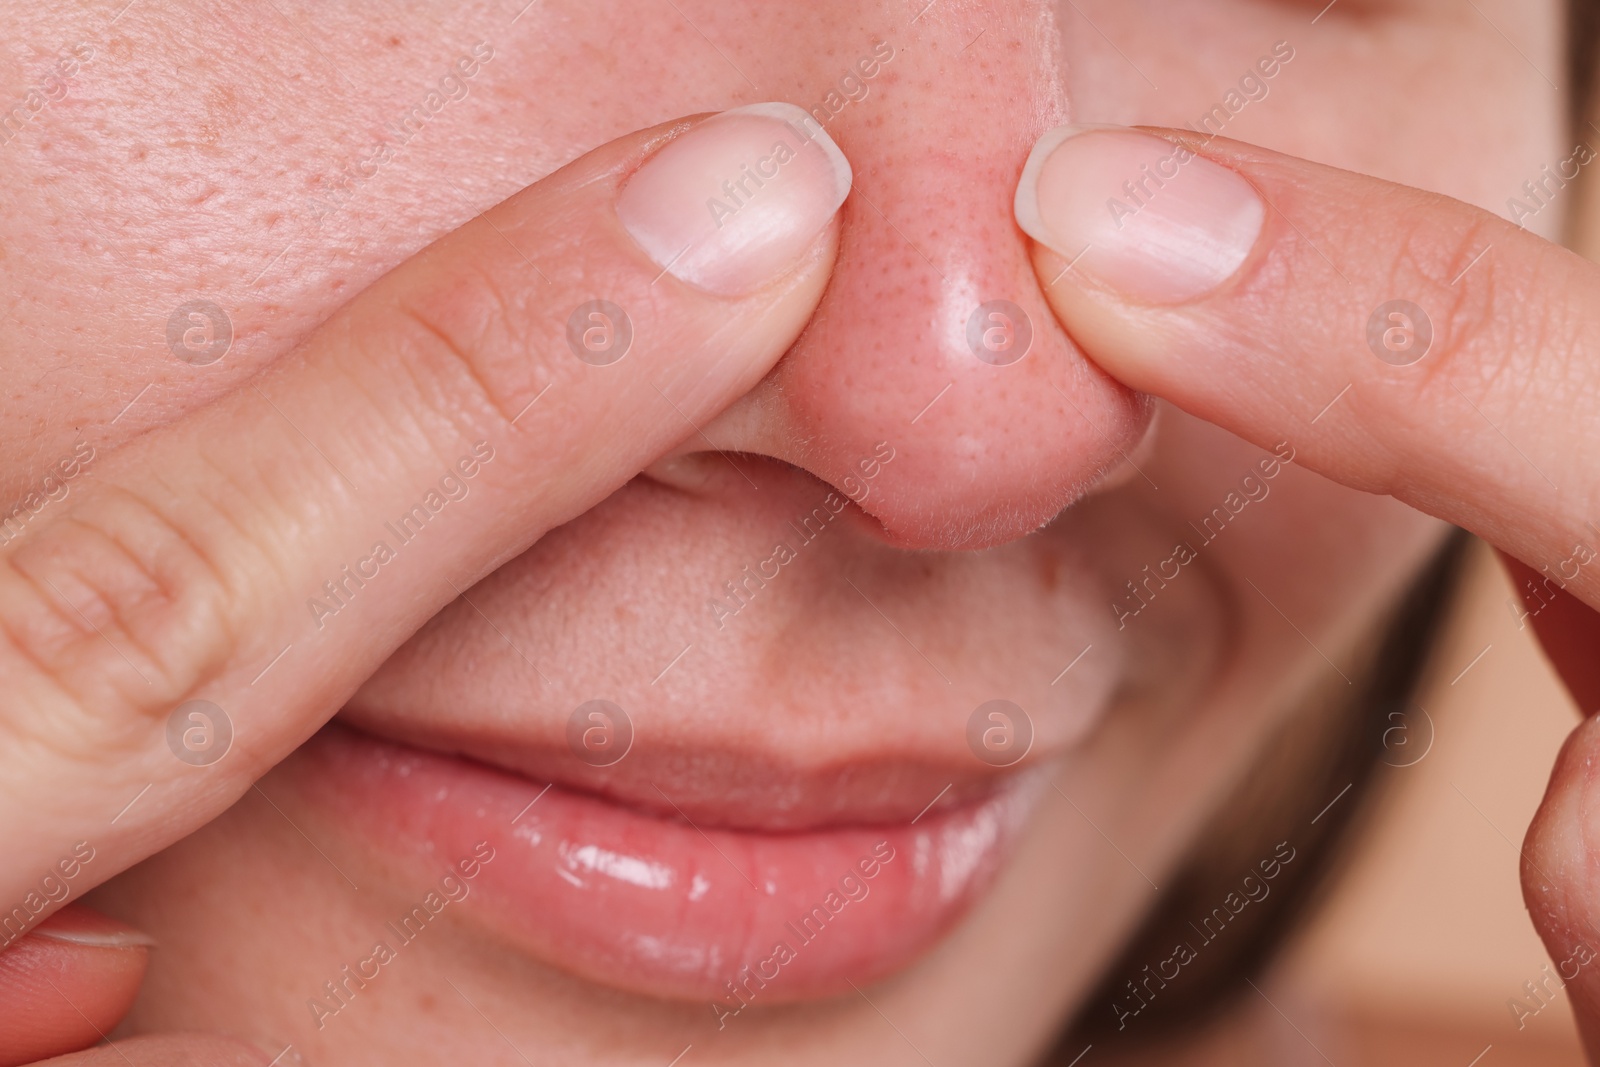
x=67, y=984
x=1561, y=887
x=186, y=1050
x=265, y=555
x=1400, y=342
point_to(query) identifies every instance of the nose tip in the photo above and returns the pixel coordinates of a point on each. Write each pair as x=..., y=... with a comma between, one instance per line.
x=934, y=345
x=934, y=340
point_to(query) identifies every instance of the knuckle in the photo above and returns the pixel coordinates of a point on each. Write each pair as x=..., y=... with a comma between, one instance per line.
x=109, y=617
x=470, y=345
x=1479, y=341
x=1510, y=327
x=1469, y=347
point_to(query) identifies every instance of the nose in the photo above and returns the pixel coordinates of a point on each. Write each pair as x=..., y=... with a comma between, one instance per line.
x=934, y=339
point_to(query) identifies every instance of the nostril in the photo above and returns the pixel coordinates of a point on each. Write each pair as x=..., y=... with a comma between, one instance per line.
x=707, y=469
x=690, y=472
x=1013, y=475
x=933, y=446
x=773, y=492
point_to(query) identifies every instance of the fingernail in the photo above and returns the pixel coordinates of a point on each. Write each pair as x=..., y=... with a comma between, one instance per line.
x=1142, y=216
x=737, y=201
x=78, y=925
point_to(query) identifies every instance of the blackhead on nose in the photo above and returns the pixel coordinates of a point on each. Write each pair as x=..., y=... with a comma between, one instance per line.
x=934, y=340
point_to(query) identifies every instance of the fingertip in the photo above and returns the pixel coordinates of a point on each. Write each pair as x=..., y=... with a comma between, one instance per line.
x=179, y=1050
x=739, y=199
x=1560, y=858
x=67, y=983
x=1148, y=220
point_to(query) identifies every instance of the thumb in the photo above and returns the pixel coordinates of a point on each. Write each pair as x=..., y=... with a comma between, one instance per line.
x=1561, y=884
x=233, y=577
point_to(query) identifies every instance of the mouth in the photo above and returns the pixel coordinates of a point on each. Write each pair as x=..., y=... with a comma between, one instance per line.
x=730, y=892
x=809, y=803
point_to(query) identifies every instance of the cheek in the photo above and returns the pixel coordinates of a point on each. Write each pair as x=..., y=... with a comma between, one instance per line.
x=1307, y=571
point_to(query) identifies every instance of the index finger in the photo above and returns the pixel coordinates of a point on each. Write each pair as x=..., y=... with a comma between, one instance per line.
x=237, y=575
x=1397, y=341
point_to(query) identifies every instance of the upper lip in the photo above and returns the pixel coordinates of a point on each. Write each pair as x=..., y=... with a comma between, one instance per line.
x=728, y=789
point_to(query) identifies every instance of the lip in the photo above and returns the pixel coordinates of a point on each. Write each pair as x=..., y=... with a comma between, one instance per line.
x=667, y=907
x=725, y=788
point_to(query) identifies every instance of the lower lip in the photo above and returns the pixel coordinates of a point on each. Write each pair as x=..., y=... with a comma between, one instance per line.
x=658, y=906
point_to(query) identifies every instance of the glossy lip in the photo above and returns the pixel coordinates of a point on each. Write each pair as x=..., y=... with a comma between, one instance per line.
x=659, y=906
x=724, y=788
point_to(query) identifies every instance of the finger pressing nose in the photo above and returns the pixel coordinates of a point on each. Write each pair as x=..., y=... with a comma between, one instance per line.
x=934, y=340
x=248, y=566
x=1404, y=343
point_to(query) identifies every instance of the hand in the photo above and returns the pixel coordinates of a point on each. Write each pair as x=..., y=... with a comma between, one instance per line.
x=1403, y=343
x=206, y=597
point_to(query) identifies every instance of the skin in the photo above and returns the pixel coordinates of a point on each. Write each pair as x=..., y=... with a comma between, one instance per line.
x=601, y=576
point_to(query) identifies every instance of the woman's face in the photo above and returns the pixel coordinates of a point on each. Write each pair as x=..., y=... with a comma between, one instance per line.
x=805, y=837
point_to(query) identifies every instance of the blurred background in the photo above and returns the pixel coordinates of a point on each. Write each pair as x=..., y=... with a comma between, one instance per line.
x=1423, y=945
